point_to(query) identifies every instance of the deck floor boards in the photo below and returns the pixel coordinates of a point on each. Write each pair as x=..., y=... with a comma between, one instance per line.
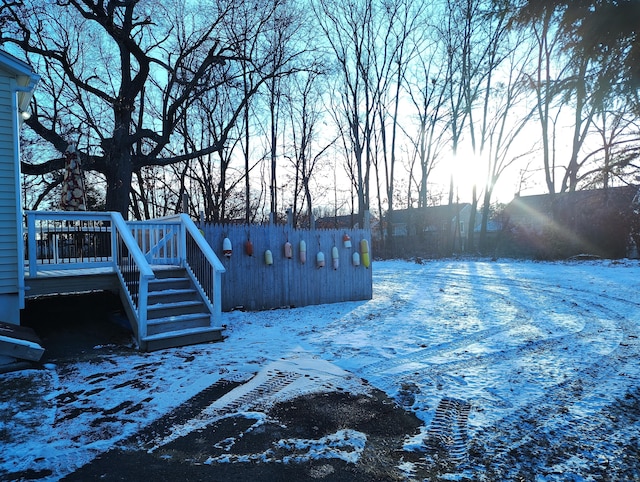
x=50, y=282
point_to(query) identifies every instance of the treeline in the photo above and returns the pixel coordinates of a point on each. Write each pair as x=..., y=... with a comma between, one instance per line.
x=254, y=107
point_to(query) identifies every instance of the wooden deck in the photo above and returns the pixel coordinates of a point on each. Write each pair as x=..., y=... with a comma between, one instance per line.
x=77, y=280
x=147, y=263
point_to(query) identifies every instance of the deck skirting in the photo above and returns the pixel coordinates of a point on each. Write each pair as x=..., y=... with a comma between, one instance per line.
x=66, y=282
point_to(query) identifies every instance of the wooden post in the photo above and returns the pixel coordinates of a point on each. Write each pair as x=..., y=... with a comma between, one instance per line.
x=185, y=203
x=289, y=218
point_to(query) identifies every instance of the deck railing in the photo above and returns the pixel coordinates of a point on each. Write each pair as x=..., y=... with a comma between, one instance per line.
x=196, y=255
x=67, y=240
x=159, y=240
x=85, y=240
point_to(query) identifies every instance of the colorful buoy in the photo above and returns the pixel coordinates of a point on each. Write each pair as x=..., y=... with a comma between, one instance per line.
x=248, y=247
x=227, y=249
x=364, y=252
x=355, y=258
x=335, y=256
x=288, y=250
x=320, y=259
x=346, y=240
x=303, y=252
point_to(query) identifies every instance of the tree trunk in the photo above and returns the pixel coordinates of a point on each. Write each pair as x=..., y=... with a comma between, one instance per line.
x=472, y=220
x=119, y=178
x=486, y=205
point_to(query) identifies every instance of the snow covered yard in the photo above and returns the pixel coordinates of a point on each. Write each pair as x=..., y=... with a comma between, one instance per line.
x=518, y=371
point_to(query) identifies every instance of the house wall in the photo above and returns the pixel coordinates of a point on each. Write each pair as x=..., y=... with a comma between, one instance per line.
x=596, y=222
x=9, y=199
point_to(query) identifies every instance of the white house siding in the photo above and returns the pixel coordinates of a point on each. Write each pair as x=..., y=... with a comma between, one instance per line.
x=9, y=272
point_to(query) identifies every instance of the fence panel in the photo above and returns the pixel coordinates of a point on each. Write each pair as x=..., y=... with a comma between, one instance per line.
x=253, y=285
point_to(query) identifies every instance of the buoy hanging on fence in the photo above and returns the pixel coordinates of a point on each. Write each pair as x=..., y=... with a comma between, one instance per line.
x=335, y=256
x=355, y=258
x=227, y=250
x=364, y=251
x=248, y=247
x=288, y=250
x=303, y=252
x=346, y=240
x=268, y=257
x=320, y=259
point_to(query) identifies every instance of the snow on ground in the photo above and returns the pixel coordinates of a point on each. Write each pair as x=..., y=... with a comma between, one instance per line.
x=493, y=356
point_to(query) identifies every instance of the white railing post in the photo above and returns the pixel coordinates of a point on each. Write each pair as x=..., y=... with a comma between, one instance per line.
x=142, y=306
x=217, y=293
x=32, y=244
x=114, y=245
x=182, y=245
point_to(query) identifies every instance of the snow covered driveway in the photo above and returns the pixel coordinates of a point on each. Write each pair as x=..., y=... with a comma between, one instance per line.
x=518, y=370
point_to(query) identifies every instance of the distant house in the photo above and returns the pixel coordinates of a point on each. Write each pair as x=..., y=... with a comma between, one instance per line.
x=427, y=230
x=17, y=83
x=431, y=219
x=601, y=222
x=347, y=221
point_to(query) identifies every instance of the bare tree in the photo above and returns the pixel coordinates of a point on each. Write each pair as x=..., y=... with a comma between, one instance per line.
x=456, y=33
x=427, y=87
x=307, y=145
x=614, y=160
x=349, y=30
x=504, y=128
x=127, y=74
x=491, y=47
x=284, y=45
x=546, y=88
x=401, y=35
x=579, y=71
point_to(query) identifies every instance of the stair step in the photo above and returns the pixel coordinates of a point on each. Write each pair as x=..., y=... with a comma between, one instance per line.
x=176, y=308
x=188, y=321
x=162, y=284
x=172, y=295
x=176, y=313
x=172, y=272
x=170, y=291
x=181, y=338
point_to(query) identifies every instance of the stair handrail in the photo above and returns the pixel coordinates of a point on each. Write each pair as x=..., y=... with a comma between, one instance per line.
x=209, y=283
x=202, y=243
x=137, y=290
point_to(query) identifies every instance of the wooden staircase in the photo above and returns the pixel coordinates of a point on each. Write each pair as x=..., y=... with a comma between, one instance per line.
x=166, y=273
x=176, y=312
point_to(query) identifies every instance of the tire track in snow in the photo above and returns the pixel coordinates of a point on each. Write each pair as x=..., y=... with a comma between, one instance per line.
x=532, y=423
x=422, y=357
x=398, y=303
x=548, y=414
x=599, y=323
x=425, y=362
x=449, y=428
x=250, y=395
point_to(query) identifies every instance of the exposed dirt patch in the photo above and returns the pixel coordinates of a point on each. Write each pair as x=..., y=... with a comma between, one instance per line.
x=254, y=444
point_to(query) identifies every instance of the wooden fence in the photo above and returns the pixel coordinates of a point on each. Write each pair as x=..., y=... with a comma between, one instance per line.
x=250, y=283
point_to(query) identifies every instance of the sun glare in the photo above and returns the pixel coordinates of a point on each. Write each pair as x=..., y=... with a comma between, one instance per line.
x=468, y=170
